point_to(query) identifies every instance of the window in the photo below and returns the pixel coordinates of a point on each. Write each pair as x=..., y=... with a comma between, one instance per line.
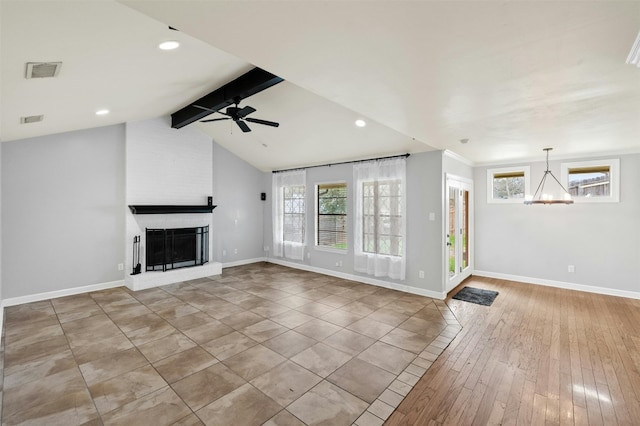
x=592, y=181
x=289, y=214
x=507, y=185
x=380, y=223
x=382, y=210
x=331, y=223
x=293, y=214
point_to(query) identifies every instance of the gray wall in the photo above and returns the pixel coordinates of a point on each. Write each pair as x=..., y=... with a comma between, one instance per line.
x=62, y=221
x=539, y=242
x=238, y=219
x=424, y=237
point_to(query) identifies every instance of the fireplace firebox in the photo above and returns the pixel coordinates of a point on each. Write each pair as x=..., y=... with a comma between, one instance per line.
x=175, y=248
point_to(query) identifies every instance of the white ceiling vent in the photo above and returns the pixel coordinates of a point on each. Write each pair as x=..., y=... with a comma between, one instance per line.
x=43, y=69
x=31, y=119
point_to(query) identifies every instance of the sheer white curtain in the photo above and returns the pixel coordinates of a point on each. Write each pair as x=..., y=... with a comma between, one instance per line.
x=281, y=248
x=380, y=222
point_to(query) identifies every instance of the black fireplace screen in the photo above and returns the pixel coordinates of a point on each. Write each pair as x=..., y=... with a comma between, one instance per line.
x=177, y=248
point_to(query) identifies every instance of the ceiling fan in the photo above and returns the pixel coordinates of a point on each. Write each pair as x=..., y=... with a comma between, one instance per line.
x=239, y=115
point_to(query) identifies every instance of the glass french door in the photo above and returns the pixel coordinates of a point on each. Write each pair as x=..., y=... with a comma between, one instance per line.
x=458, y=230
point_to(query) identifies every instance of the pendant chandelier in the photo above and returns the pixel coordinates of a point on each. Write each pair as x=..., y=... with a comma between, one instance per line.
x=540, y=197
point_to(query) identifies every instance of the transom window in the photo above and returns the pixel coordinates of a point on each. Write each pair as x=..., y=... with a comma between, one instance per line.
x=332, y=215
x=592, y=181
x=382, y=217
x=507, y=185
x=293, y=214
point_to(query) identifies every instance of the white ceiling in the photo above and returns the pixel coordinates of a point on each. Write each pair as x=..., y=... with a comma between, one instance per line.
x=513, y=77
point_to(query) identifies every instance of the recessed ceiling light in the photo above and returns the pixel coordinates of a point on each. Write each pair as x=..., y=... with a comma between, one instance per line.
x=169, y=45
x=102, y=112
x=361, y=123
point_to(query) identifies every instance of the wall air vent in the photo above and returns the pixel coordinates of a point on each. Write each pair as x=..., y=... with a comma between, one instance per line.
x=31, y=119
x=43, y=69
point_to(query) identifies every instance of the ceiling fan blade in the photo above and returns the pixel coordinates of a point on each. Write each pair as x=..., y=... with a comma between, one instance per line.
x=214, y=119
x=245, y=111
x=243, y=126
x=265, y=122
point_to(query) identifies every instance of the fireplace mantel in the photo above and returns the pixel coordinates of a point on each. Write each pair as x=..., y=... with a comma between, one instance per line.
x=165, y=209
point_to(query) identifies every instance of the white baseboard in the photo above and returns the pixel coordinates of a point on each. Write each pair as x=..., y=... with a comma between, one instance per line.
x=12, y=301
x=359, y=278
x=560, y=284
x=243, y=262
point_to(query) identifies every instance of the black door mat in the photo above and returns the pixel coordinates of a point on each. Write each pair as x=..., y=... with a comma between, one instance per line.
x=476, y=295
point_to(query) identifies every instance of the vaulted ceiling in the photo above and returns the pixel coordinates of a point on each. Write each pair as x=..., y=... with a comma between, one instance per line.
x=512, y=77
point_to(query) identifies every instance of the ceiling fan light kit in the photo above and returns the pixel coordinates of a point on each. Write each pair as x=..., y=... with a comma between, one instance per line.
x=540, y=197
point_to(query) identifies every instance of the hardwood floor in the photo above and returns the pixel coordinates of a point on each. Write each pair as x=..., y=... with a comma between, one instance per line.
x=538, y=355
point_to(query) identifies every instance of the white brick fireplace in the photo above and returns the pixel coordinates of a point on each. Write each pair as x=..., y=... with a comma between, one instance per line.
x=166, y=166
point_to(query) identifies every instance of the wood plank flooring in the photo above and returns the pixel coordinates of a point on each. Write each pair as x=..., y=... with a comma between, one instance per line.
x=538, y=355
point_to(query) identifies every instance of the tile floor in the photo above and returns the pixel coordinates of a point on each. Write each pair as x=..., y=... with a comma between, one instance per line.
x=260, y=344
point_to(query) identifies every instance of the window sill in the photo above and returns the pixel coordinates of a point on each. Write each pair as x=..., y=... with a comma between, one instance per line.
x=331, y=249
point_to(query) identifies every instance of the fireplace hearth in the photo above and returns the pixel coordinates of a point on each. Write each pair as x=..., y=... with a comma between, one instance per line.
x=175, y=248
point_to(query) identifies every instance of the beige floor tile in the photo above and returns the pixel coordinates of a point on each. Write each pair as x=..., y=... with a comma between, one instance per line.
x=341, y=318
x=289, y=343
x=162, y=407
x=321, y=359
x=292, y=319
x=254, y=362
x=244, y=406
x=61, y=398
x=423, y=327
x=208, y=332
x=112, y=365
x=270, y=309
x=190, y=420
x=318, y=329
x=406, y=340
x=241, y=320
x=263, y=330
x=207, y=385
x=150, y=332
x=100, y=348
x=286, y=382
x=294, y=301
x=349, y=341
x=359, y=308
x=175, y=312
x=34, y=335
x=362, y=379
x=42, y=350
x=229, y=345
x=166, y=346
x=335, y=301
x=388, y=357
x=222, y=310
x=38, y=369
x=184, y=364
x=370, y=328
x=117, y=391
x=314, y=294
x=327, y=404
x=284, y=418
x=388, y=316
x=315, y=309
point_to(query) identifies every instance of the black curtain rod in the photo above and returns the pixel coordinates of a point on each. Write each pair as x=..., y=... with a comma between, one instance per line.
x=344, y=162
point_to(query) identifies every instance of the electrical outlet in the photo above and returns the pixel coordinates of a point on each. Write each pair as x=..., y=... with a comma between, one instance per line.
x=432, y=216
x=571, y=268
x=224, y=252
x=420, y=274
x=235, y=251
x=266, y=248
x=120, y=266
